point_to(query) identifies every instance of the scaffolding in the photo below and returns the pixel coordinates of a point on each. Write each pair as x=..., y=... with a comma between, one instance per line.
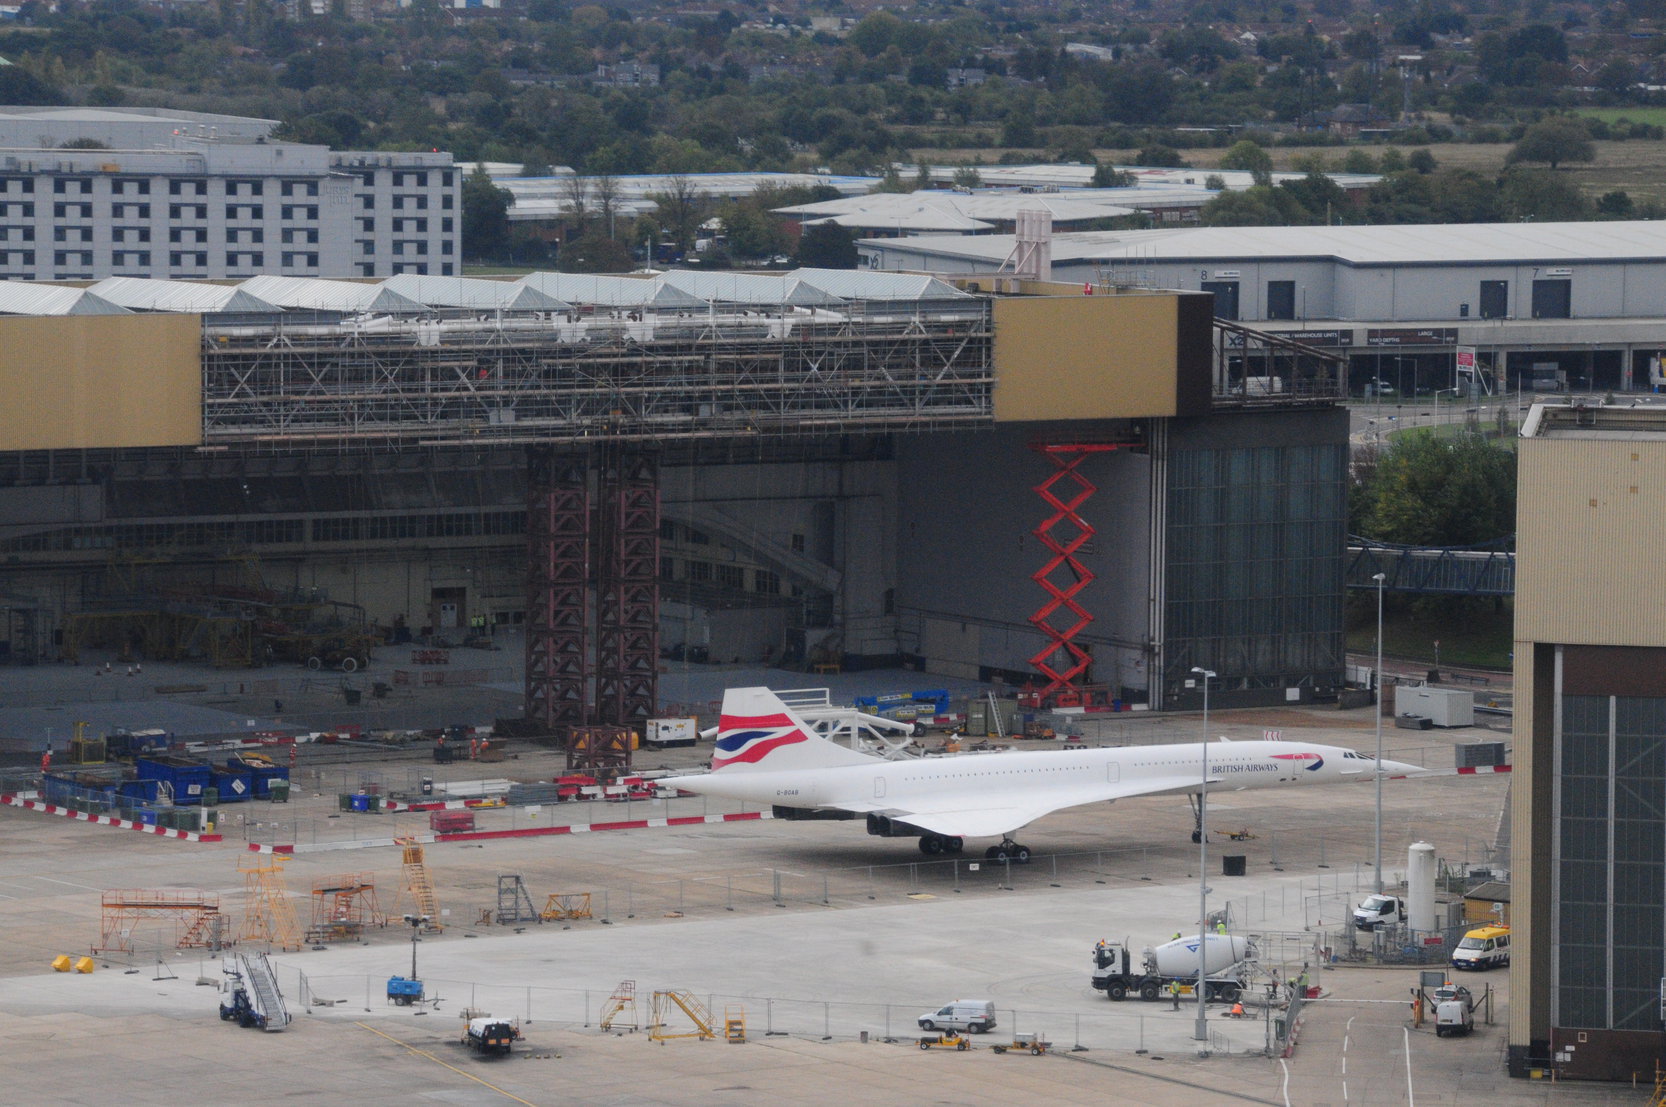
x=558, y=572
x=343, y=906
x=193, y=914
x=514, y=903
x=627, y=589
x=652, y=376
x=268, y=916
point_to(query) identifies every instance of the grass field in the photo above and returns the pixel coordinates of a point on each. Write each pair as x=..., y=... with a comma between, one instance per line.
x=1472, y=634
x=1657, y=116
x=1637, y=167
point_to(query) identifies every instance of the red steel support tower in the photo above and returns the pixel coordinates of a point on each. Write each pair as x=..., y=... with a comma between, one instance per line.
x=1062, y=661
x=627, y=589
x=558, y=569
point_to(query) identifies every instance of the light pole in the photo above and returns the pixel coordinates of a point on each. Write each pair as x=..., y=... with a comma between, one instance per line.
x=1201, y=1032
x=417, y=922
x=1378, y=675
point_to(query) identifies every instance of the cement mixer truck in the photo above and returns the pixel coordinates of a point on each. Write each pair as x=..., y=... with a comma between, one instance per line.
x=1115, y=974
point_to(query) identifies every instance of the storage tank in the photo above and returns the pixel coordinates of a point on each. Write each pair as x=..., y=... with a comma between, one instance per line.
x=1420, y=886
x=1179, y=957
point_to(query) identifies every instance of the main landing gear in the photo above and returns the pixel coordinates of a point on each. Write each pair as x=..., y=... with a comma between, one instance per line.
x=934, y=844
x=1008, y=850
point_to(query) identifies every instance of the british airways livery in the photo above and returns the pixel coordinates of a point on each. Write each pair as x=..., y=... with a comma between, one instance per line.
x=767, y=754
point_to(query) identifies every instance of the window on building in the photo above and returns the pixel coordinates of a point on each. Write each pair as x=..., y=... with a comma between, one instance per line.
x=732, y=577
x=178, y=187
x=72, y=186
x=67, y=210
x=367, y=201
x=766, y=582
x=700, y=572
x=368, y=225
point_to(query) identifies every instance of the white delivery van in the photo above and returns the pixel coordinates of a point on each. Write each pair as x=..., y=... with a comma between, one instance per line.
x=976, y=1015
x=1483, y=948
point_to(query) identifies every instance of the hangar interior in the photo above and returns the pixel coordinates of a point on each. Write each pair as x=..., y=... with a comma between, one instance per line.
x=845, y=473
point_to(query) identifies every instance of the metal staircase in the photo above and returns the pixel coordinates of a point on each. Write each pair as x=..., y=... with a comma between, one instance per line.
x=420, y=884
x=690, y=1006
x=268, y=915
x=620, y=1003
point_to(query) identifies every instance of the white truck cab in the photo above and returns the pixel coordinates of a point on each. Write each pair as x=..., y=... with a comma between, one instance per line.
x=1379, y=910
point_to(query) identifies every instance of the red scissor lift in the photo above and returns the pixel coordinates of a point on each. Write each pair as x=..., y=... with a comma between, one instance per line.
x=1062, y=662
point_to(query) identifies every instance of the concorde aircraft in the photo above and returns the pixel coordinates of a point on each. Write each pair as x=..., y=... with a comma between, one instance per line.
x=767, y=754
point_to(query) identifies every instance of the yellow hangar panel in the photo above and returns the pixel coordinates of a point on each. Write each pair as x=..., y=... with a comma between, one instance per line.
x=1101, y=357
x=100, y=381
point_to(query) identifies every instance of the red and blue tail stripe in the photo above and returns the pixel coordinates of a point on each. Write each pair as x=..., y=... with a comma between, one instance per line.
x=748, y=739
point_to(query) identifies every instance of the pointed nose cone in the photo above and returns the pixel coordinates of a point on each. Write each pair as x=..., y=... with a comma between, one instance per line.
x=1400, y=768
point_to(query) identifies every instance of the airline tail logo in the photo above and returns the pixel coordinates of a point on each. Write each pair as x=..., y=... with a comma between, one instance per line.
x=1318, y=762
x=748, y=739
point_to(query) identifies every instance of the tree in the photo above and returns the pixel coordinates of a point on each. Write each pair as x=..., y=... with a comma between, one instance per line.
x=1422, y=160
x=681, y=210
x=1160, y=156
x=1429, y=491
x=1543, y=196
x=594, y=252
x=826, y=246
x=485, y=215
x=1554, y=139
x=1247, y=156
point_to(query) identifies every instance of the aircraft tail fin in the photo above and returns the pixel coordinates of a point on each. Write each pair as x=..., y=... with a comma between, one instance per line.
x=758, y=732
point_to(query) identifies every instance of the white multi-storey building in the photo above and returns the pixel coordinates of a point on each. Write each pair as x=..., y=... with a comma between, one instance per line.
x=211, y=197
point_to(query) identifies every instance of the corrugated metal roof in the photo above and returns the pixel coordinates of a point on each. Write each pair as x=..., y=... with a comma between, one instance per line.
x=474, y=292
x=29, y=298
x=317, y=294
x=145, y=294
x=859, y=284
x=955, y=210
x=600, y=291
x=1441, y=243
x=763, y=289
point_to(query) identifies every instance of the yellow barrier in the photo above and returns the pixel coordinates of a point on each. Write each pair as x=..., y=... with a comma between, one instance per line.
x=60, y=963
x=85, y=964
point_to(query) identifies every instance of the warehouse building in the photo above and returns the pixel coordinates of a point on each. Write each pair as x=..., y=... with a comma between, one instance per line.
x=1588, y=891
x=191, y=196
x=1549, y=305
x=825, y=467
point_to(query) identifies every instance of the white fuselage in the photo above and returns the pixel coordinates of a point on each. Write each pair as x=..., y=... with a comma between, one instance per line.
x=999, y=776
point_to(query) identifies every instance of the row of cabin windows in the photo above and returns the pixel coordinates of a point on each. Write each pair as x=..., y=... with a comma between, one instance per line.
x=1552, y=299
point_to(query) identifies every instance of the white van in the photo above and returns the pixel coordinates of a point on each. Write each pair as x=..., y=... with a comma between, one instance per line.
x=1483, y=948
x=976, y=1015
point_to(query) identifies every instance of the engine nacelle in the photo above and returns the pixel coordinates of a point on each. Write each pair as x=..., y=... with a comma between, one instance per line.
x=884, y=826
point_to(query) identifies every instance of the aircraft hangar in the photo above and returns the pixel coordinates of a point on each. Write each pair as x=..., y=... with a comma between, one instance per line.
x=821, y=468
